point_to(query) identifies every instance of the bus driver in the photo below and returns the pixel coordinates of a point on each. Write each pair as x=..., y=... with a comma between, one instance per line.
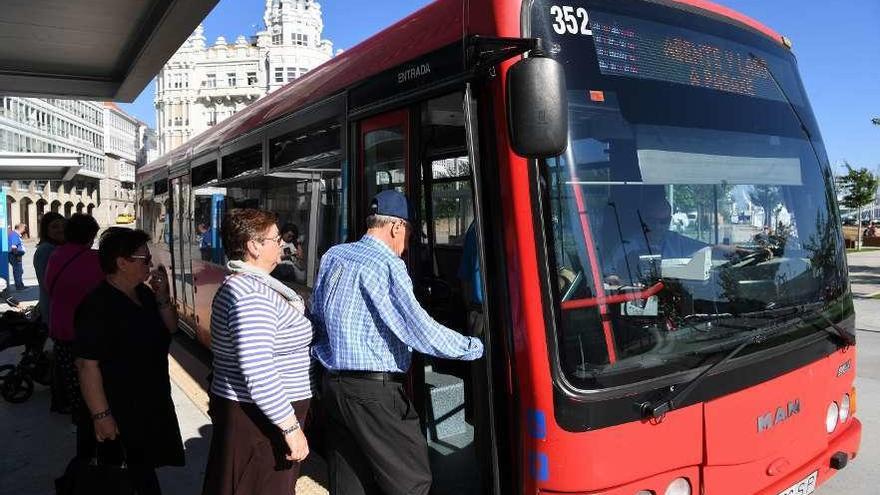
x=645, y=231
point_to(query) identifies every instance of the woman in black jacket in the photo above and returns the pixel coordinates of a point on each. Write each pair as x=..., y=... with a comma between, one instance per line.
x=123, y=333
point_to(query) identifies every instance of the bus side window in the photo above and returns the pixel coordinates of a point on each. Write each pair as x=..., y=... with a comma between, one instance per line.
x=331, y=213
x=291, y=199
x=204, y=234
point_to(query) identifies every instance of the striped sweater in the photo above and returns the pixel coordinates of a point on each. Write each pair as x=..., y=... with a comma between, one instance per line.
x=261, y=347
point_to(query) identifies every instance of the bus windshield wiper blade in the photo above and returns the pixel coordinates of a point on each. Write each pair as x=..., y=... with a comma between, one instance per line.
x=843, y=338
x=657, y=409
x=804, y=312
x=770, y=313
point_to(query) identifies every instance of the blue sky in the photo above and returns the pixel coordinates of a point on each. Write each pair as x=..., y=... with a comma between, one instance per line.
x=838, y=51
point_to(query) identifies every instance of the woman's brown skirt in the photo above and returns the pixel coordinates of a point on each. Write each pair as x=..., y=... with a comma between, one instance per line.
x=247, y=455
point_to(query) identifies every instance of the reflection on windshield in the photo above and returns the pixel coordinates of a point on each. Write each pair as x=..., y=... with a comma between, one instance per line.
x=691, y=203
x=667, y=238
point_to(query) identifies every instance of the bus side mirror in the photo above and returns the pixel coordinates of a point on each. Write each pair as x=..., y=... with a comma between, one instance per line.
x=537, y=107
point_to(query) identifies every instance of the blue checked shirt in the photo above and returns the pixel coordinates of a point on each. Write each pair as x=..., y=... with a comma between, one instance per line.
x=366, y=317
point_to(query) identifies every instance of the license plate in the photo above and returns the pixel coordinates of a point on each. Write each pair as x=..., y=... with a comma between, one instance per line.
x=802, y=487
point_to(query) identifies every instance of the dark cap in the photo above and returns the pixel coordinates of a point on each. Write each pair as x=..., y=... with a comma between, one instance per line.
x=390, y=203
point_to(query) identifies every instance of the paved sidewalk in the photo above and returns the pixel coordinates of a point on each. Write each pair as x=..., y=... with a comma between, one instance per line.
x=864, y=273
x=38, y=444
x=864, y=277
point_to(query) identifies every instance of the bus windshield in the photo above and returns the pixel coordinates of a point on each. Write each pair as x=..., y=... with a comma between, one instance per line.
x=694, y=199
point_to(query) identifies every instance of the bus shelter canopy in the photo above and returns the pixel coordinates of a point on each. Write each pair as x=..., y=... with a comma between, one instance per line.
x=91, y=49
x=38, y=166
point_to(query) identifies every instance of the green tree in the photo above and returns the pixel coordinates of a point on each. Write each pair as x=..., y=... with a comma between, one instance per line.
x=861, y=189
x=767, y=197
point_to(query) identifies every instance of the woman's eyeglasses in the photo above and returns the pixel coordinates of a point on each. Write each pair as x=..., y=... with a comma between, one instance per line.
x=277, y=239
x=148, y=258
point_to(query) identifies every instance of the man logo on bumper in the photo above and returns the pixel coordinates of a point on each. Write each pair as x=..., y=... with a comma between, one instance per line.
x=769, y=420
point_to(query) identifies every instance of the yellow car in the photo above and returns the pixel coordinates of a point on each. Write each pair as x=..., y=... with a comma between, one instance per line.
x=125, y=218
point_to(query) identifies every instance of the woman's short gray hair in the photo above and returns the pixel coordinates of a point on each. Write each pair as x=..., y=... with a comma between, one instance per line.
x=379, y=221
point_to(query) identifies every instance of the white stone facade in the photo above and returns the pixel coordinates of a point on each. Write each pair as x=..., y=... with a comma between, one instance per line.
x=201, y=85
x=106, y=140
x=44, y=125
x=121, y=147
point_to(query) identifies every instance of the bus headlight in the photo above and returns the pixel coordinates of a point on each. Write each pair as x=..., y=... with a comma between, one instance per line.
x=831, y=417
x=645, y=492
x=679, y=486
x=843, y=414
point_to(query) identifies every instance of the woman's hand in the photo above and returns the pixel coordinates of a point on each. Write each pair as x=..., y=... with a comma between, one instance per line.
x=298, y=445
x=105, y=428
x=159, y=283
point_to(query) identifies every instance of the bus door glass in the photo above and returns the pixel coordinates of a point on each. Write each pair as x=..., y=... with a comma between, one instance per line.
x=444, y=282
x=384, y=153
x=432, y=168
x=181, y=243
x=173, y=239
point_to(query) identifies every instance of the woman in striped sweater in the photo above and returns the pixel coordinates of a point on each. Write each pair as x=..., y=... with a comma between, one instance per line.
x=260, y=393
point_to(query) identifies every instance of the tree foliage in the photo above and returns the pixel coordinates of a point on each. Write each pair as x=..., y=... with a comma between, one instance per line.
x=767, y=197
x=860, y=186
x=701, y=198
x=861, y=189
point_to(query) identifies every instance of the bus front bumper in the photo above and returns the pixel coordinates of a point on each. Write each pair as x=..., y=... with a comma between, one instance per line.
x=843, y=447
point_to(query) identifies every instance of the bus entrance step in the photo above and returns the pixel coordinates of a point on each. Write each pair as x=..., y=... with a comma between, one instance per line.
x=446, y=405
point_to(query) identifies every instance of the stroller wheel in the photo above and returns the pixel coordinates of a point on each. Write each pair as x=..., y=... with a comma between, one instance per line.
x=15, y=386
x=41, y=370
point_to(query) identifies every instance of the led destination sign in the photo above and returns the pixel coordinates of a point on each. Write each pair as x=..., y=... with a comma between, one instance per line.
x=643, y=49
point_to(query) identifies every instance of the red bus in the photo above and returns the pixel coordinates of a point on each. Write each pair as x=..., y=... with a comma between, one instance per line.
x=665, y=302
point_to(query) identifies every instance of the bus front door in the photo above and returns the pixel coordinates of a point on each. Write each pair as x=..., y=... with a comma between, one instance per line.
x=421, y=151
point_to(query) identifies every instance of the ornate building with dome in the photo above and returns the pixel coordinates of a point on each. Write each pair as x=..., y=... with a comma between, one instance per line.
x=203, y=84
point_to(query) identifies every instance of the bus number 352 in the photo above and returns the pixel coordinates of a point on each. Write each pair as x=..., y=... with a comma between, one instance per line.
x=570, y=20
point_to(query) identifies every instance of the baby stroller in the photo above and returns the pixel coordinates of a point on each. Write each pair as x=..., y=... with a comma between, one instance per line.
x=22, y=328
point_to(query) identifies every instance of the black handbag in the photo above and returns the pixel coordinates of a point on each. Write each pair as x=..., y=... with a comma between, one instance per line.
x=94, y=476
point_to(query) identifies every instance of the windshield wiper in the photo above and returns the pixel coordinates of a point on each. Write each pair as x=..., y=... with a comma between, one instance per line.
x=843, y=338
x=804, y=311
x=657, y=409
